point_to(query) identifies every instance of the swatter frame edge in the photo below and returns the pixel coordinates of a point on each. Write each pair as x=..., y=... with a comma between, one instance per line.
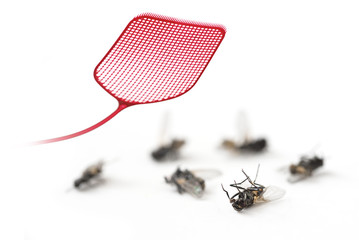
x=219, y=27
x=120, y=101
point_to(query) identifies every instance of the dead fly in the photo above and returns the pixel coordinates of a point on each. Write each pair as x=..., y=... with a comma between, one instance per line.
x=90, y=176
x=246, y=197
x=167, y=151
x=186, y=181
x=245, y=144
x=248, y=146
x=304, y=168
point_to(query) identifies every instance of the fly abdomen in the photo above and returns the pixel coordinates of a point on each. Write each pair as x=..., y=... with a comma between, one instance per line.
x=160, y=154
x=254, y=146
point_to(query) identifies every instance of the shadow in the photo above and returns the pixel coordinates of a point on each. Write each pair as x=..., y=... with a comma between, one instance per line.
x=315, y=177
x=232, y=155
x=92, y=184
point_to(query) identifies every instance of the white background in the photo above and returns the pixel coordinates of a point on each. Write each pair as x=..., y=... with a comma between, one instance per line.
x=291, y=65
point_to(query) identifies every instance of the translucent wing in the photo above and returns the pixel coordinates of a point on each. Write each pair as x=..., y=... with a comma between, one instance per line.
x=242, y=126
x=193, y=187
x=272, y=193
x=164, y=129
x=207, y=174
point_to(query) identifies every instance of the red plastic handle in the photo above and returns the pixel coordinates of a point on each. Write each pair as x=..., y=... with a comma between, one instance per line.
x=119, y=109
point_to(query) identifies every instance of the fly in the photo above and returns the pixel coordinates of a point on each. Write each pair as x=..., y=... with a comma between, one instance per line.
x=246, y=197
x=90, y=176
x=305, y=168
x=167, y=150
x=246, y=144
x=187, y=181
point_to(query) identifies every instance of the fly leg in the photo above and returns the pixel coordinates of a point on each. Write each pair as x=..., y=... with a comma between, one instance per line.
x=226, y=192
x=237, y=184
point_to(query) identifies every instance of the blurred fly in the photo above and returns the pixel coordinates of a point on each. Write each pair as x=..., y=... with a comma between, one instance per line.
x=90, y=176
x=246, y=197
x=305, y=167
x=167, y=151
x=246, y=144
x=187, y=181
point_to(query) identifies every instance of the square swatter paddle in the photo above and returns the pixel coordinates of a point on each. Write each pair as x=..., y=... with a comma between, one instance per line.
x=156, y=58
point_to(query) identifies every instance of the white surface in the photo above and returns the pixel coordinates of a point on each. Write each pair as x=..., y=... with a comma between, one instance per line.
x=293, y=66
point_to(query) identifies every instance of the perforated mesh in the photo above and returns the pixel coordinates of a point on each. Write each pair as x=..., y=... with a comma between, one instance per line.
x=157, y=58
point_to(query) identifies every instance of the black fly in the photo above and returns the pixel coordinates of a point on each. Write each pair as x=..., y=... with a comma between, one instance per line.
x=169, y=151
x=305, y=167
x=186, y=181
x=246, y=144
x=246, y=197
x=91, y=173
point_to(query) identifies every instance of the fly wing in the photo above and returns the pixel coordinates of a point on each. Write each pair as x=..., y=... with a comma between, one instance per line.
x=193, y=187
x=164, y=129
x=243, y=127
x=272, y=193
x=207, y=174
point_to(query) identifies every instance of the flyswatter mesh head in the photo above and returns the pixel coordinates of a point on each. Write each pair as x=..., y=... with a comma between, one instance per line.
x=156, y=58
